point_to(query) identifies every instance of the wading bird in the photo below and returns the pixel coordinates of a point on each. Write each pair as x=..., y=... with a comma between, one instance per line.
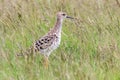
x=49, y=42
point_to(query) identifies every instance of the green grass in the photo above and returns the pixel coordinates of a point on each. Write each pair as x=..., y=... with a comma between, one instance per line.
x=90, y=46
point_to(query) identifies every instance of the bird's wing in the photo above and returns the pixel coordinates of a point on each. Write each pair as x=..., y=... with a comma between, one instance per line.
x=45, y=42
x=40, y=44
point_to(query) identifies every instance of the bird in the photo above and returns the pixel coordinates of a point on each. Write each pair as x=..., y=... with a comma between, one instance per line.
x=50, y=41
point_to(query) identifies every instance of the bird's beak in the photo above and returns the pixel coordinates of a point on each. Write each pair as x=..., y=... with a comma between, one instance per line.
x=69, y=17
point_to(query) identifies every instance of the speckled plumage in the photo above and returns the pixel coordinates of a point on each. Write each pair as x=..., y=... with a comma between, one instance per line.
x=47, y=44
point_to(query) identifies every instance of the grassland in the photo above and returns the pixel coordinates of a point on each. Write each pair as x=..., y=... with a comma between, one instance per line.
x=90, y=47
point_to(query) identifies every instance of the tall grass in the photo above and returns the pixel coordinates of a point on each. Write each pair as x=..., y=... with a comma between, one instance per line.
x=90, y=46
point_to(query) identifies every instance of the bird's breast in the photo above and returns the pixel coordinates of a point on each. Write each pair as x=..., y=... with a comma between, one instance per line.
x=57, y=42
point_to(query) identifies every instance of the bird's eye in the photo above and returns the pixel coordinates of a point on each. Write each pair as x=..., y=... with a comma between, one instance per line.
x=63, y=14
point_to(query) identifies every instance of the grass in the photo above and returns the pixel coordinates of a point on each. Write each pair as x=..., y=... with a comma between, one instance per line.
x=90, y=46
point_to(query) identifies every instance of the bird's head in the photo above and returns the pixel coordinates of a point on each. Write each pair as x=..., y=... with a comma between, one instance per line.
x=63, y=15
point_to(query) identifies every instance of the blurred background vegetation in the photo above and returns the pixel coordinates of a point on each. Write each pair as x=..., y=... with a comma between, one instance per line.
x=90, y=46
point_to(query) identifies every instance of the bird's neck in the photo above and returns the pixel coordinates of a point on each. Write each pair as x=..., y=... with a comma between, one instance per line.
x=58, y=26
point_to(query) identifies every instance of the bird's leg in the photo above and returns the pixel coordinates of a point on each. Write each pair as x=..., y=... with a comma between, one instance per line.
x=46, y=61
